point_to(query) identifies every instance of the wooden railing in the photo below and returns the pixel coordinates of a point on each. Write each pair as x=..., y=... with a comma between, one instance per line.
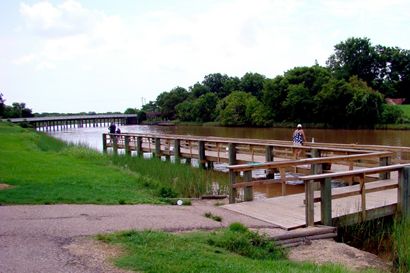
x=326, y=197
x=316, y=167
x=213, y=149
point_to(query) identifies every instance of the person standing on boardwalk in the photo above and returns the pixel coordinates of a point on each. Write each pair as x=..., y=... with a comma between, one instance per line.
x=298, y=140
x=112, y=128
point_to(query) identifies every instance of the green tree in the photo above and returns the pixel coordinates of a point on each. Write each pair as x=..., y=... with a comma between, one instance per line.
x=331, y=102
x=167, y=101
x=366, y=106
x=130, y=111
x=355, y=56
x=186, y=111
x=204, y=107
x=198, y=90
x=252, y=83
x=238, y=109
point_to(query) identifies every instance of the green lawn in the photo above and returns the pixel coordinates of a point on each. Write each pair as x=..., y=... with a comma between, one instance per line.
x=212, y=252
x=44, y=170
x=406, y=109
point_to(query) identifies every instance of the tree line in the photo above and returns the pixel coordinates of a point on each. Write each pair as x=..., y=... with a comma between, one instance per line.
x=349, y=91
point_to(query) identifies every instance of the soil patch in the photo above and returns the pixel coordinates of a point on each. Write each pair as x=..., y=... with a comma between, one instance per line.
x=329, y=251
x=96, y=254
x=4, y=186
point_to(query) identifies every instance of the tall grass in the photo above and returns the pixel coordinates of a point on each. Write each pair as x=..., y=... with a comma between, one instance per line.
x=177, y=179
x=232, y=250
x=44, y=170
x=401, y=245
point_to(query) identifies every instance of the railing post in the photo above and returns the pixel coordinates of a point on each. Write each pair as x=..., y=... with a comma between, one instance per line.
x=269, y=158
x=309, y=209
x=248, y=191
x=177, y=150
x=114, y=143
x=403, y=198
x=104, y=136
x=232, y=174
x=326, y=201
x=201, y=154
x=139, y=146
x=384, y=161
x=363, y=195
x=158, y=147
x=127, y=145
x=316, y=168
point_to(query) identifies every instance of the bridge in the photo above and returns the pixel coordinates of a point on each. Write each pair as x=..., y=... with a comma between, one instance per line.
x=377, y=178
x=57, y=123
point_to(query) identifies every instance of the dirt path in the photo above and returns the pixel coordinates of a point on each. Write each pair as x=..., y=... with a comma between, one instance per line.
x=56, y=238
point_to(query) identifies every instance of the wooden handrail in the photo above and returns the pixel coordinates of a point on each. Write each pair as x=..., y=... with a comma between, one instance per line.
x=373, y=170
x=288, y=163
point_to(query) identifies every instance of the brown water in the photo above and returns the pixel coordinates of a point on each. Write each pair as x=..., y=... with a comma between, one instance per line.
x=93, y=138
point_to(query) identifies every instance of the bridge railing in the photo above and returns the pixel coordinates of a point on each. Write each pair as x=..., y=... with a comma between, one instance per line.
x=326, y=197
x=316, y=165
x=213, y=149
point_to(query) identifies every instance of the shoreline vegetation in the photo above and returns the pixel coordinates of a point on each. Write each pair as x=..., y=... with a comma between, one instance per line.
x=44, y=170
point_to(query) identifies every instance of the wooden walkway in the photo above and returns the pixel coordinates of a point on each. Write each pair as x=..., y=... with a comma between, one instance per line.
x=383, y=189
x=288, y=212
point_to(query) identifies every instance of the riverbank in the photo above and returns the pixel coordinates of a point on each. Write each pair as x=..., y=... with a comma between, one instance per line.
x=43, y=170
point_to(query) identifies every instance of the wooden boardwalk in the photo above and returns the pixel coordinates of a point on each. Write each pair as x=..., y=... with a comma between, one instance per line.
x=383, y=187
x=288, y=212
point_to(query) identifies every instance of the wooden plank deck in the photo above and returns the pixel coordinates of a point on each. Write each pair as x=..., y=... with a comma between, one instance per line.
x=288, y=212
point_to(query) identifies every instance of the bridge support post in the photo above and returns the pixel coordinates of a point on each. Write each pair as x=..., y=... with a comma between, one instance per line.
x=157, y=147
x=384, y=161
x=326, y=201
x=201, y=154
x=177, y=150
x=114, y=144
x=316, y=168
x=248, y=191
x=232, y=174
x=104, y=141
x=270, y=173
x=139, y=146
x=127, y=145
x=309, y=209
x=403, y=198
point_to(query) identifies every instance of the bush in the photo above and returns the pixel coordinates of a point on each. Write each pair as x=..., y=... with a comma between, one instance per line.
x=238, y=239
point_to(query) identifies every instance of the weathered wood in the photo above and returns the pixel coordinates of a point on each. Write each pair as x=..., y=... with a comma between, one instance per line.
x=363, y=195
x=232, y=174
x=114, y=140
x=282, y=172
x=127, y=145
x=157, y=152
x=403, y=197
x=326, y=202
x=248, y=191
x=201, y=154
x=104, y=136
x=139, y=146
x=177, y=150
x=384, y=161
x=310, y=210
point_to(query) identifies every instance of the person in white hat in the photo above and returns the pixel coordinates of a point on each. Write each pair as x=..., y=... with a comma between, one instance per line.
x=298, y=140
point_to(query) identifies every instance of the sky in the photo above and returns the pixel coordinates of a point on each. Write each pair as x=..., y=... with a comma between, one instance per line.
x=73, y=56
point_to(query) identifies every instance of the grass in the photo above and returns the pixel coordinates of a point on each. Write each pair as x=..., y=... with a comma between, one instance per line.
x=45, y=170
x=401, y=245
x=406, y=110
x=234, y=249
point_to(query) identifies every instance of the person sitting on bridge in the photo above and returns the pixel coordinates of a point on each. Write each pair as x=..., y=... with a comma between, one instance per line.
x=112, y=128
x=118, y=131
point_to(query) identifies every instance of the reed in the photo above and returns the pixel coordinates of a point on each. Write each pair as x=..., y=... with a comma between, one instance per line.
x=401, y=245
